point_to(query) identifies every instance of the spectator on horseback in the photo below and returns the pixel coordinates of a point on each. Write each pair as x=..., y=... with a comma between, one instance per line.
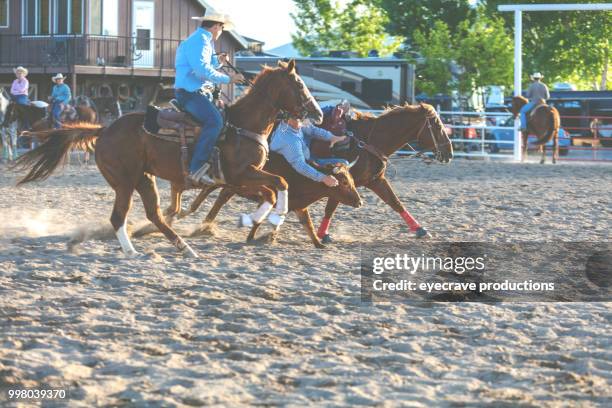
x=60, y=96
x=536, y=93
x=20, y=87
x=196, y=74
x=292, y=141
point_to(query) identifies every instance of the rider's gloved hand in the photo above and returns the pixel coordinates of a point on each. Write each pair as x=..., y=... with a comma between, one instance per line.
x=330, y=181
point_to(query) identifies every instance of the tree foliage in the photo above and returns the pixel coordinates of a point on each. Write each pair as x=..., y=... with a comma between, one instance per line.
x=359, y=27
x=567, y=46
x=408, y=16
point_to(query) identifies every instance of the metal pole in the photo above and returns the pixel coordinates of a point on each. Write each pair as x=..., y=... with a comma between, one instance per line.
x=518, y=70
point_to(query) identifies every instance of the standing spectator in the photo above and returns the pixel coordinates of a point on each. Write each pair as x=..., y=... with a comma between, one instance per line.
x=59, y=99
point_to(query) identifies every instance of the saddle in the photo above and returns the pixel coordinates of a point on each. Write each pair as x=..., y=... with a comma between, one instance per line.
x=169, y=123
x=539, y=104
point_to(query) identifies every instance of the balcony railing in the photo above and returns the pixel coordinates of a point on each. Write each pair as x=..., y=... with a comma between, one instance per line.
x=69, y=50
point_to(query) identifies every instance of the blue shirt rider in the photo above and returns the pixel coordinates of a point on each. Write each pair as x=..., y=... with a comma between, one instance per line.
x=537, y=91
x=60, y=96
x=196, y=73
x=292, y=141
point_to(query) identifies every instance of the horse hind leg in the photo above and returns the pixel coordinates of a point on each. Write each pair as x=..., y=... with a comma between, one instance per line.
x=555, y=148
x=147, y=189
x=123, y=203
x=543, y=151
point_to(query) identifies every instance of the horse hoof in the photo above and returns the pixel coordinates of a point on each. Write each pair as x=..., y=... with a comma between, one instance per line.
x=326, y=239
x=421, y=233
x=189, y=253
x=320, y=245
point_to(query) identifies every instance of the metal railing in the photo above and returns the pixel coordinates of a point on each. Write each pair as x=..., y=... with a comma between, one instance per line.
x=91, y=50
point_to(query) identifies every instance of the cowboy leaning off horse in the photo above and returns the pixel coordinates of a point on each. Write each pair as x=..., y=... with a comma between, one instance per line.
x=196, y=73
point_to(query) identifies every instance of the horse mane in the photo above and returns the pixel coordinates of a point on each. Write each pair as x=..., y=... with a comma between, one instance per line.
x=261, y=82
x=393, y=110
x=81, y=125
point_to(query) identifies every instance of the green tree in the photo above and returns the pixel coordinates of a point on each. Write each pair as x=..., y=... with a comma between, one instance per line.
x=436, y=48
x=485, y=53
x=357, y=27
x=408, y=16
x=571, y=46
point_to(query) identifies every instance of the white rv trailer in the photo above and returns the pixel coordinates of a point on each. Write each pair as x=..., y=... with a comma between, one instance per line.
x=367, y=83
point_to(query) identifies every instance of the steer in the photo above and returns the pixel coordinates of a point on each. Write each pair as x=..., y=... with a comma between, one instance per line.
x=302, y=192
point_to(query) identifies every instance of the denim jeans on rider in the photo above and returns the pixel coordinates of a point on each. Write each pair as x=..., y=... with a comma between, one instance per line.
x=524, y=110
x=207, y=114
x=21, y=99
x=56, y=111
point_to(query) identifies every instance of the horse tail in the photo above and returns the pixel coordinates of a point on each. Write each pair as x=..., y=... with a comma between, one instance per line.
x=554, y=121
x=42, y=161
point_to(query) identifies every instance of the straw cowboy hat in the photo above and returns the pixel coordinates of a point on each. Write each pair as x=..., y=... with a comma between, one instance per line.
x=537, y=75
x=58, y=76
x=217, y=18
x=22, y=69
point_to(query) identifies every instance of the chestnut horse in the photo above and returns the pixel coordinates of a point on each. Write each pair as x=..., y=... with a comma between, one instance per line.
x=376, y=139
x=543, y=121
x=129, y=158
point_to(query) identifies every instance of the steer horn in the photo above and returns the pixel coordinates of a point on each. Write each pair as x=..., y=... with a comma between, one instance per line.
x=351, y=164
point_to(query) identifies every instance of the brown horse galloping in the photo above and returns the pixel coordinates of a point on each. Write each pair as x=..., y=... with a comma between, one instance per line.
x=379, y=137
x=129, y=158
x=543, y=121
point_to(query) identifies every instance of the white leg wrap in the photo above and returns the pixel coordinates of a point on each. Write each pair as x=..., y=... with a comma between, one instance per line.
x=260, y=214
x=276, y=219
x=282, y=202
x=124, y=240
x=246, y=221
x=188, y=252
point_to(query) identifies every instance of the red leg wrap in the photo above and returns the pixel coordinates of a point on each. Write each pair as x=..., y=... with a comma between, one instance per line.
x=323, y=227
x=412, y=223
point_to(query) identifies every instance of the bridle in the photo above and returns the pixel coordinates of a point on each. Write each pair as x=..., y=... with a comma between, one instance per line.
x=437, y=153
x=301, y=112
x=364, y=145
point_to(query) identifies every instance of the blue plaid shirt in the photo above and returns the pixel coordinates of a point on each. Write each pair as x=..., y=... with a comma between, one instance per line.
x=294, y=145
x=195, y=63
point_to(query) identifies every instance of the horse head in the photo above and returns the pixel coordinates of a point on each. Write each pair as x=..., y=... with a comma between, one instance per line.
x=345, y=191
x=290, y=94
x=517, y=103
x=433, y=135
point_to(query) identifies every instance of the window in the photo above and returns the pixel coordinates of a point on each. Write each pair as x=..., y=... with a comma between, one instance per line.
x=104, y=18
x=36, y=15
x=68, y=17
x=4, y=13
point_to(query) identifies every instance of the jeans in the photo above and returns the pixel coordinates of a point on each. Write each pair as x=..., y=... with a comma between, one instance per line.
x=56, y=111
x=524, y=110
x=202, y=109
x=21, y=99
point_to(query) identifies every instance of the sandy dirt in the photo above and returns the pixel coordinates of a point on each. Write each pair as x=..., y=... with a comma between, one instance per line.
x=283, y=323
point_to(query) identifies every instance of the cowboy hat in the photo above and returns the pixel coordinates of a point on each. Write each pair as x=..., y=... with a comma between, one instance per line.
x=537, y=75
x=22, y=69
x=217, y=18
x=58, y=76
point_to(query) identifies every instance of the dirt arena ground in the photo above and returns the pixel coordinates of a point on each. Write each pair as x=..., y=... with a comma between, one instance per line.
x=284, y=324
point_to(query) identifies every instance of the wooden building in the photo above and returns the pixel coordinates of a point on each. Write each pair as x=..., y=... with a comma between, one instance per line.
x=125, y=48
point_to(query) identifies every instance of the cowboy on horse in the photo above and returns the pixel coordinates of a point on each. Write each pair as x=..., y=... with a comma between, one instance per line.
x=196, y=74
x=537, y=93
x=60, y=96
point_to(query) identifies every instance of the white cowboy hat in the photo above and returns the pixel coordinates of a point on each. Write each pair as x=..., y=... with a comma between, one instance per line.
x=58, y=76
x=217, y=18
x=22, y=69
x=537, y=75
